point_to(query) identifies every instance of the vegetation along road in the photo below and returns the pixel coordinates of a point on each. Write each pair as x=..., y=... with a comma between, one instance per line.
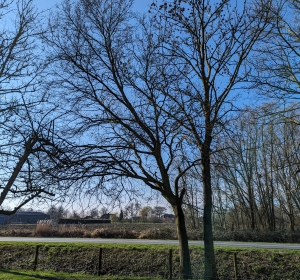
x=159, y=242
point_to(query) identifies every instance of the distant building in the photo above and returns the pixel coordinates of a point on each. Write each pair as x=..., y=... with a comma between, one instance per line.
x=168, y=216
x=105, y=216
x=2, y=219
x=24, y=217
x=83, y=221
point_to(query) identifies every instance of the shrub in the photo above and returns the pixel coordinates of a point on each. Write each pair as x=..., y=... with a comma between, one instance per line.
x=45, y=228
x=195, y=234
x=72, y=231
x=159, y=233
x=257, y=236
x=113, y=233
x=22, y=233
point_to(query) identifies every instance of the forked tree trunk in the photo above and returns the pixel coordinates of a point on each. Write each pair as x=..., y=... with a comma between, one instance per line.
x=185, y=262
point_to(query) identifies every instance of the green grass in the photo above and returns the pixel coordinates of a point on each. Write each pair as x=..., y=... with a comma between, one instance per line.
x=129, y=259
x=96, y=245
x=136, y=259
x=34, y=275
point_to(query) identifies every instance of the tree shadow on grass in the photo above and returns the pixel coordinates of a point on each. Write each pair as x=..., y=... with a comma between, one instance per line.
x=33, y=274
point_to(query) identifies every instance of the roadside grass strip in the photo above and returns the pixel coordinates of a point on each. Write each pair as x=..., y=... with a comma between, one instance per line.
x=143, y=262
x=6, y=274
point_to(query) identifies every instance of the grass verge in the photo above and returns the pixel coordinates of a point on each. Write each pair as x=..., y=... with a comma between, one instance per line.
x=150, y=261
x=6, y=274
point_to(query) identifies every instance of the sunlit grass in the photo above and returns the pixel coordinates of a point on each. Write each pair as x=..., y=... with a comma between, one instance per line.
x=6, y=274
x=252, y=263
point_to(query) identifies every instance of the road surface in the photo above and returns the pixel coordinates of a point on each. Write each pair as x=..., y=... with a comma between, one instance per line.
x=158, y=242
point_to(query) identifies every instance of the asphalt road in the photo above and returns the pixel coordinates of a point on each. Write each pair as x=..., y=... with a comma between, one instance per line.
x=158, y=242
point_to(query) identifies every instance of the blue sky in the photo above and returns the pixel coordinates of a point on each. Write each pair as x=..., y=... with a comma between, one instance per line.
x=44, y=5
x=140, y=5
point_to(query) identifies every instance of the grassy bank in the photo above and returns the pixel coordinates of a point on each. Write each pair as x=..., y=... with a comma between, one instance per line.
x=147, y=261
x=30, y=275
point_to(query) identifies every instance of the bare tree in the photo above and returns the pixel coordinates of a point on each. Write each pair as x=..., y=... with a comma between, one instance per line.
x=193, y=202
x=105, y=68
x=159, y=210
x=146, y=212
x=146, y=94
x=26, y=132
x=57, y=212
x=236, y=164
x=258, y=170
x=131, y=210
x=277, y=77
x=276, y=58
x=30, y=154
x=210, y=43
x=94, y=213
x=19, y=63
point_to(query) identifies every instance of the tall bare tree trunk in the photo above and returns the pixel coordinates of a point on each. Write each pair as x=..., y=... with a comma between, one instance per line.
x=185, y=262
x=209, y=255
x=252, y=207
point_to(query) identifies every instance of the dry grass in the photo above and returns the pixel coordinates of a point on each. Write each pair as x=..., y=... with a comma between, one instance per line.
x=46, y=229
x=142, y=231
x=114, y=233
x=157, y=233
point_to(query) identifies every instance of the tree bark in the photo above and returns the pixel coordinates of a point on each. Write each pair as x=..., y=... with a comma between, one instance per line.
x=185, y=262
x=28, y=149
x=252, y=207
x=209, y=255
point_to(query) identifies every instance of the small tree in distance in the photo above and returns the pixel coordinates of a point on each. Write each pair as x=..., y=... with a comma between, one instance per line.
x=146, y=212
x=94, y=213
x=121, y=216
x=131, y=210
x=159, y=211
